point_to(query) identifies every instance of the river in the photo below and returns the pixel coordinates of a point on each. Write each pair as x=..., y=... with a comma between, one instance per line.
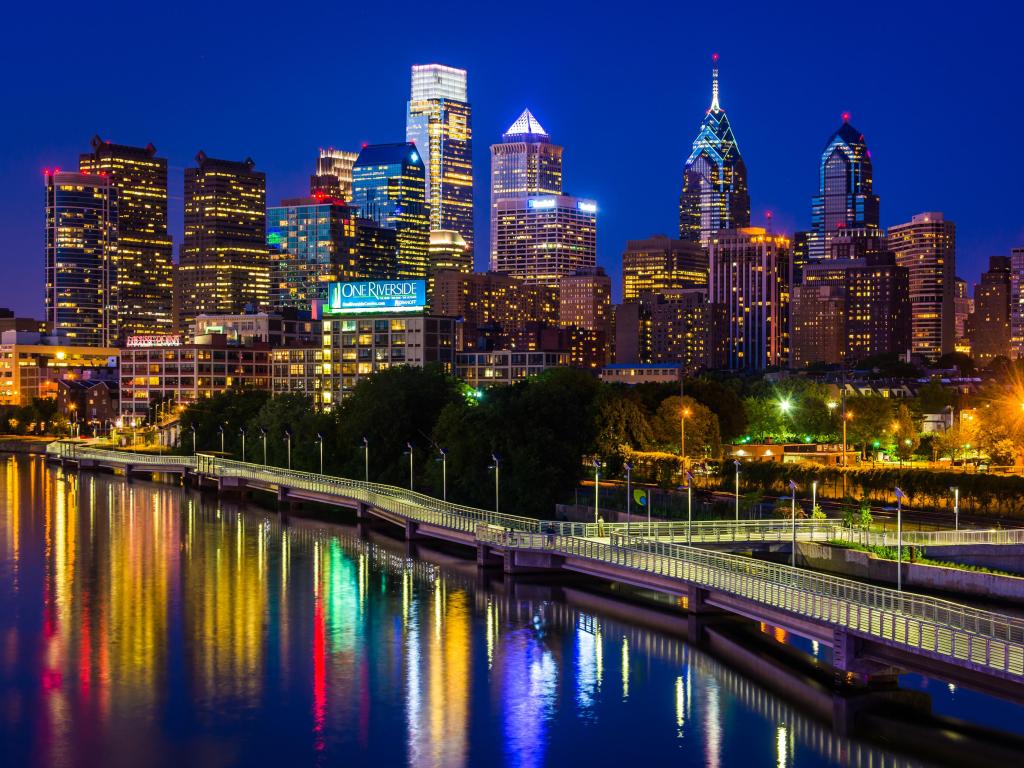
x=147, y=624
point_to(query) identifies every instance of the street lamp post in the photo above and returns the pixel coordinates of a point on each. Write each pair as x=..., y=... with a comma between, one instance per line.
x=689, y=509
x=737, y=463
x=320, y=442
x=241, y=431
x=683, y=413
x=444, y=473
x=814, y=496
x=899, y=540
x=409, y=451
x=221, y=430
x=193, y=438
x=497, y=470
x=263, y=434
x=792, y=488
x=288, y=440
x=956, y=507
x=366, y=459
x=629, y=493
x=597, y=487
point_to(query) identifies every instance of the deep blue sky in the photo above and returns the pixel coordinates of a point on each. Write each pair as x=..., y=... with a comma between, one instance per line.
x=622, y=87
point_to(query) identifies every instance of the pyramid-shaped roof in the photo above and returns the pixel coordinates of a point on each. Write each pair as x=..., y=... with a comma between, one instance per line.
x=526, y=124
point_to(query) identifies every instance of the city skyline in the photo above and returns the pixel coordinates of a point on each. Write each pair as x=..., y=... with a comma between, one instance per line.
x=782, y=165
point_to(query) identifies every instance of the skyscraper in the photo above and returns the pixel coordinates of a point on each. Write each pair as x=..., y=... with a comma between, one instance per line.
x=714, y=194
x=927, y=247
x=388, y=186
x=878, y=319
x=1017, y=303
x=585, y=300
x=333, y=177
x=845, y=199
x=540, y=239
x=224, y=261
x=749, y=276
x=144, y=282
x=81, y=257
x=524, y=163
x=312, y=242
x=988, y=327
x=659, y=264
x=439, y=123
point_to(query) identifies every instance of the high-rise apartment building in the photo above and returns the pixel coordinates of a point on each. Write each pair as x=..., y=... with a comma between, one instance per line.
x=845, y=199
x=585, y=300
x=524, y=163
x=927, y=247
x=878, y=315
x=439, y=122
x=540, y=239
x=677, y=326
x=447, y=250
x=1017, y=303
x=714, y=193
x=333, y=177
x=224, y=261
x=988, y=327
x=81, y=258
x=659, y=264
x=750, y=276
x=963, y=306
x=144, y=264
x=388, y=186
x=312, y=242
x=377, y=247
x=817, y=315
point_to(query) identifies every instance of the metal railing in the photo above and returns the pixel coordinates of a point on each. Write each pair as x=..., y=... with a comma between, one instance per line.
x=933, y=538
x=705, y=530
x=72, y=450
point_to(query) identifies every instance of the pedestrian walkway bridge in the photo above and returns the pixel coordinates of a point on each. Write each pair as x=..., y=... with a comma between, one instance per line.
x=871, y=630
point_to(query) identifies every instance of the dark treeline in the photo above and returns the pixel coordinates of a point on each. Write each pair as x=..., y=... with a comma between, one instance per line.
x=543, y=431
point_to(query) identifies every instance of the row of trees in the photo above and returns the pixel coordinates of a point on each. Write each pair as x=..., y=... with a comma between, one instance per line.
x=39, y=417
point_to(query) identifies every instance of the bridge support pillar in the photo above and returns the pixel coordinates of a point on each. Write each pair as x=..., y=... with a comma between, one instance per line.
x=487, y=557
x=412, y=530
x=362, y=511
x=852, y=669
x=519, y=561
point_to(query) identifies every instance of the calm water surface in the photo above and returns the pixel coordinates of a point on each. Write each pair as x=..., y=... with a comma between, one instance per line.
x=144, y=624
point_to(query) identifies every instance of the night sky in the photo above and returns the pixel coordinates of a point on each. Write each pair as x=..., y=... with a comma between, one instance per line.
x=936, y=93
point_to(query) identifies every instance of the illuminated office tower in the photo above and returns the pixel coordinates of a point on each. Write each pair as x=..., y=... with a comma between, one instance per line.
x=659, y=263
x=988, y=327
x=585, y=300
x=333, y=177
x=845, y=199
x=963, y=306
x=1017, y=303
x=377, y=247
x=749, y=276
x=448, y=250
x=144, y=265
x=524, y=163
x=878, y=319
x=817, y=314
x=540, y=239
x=224, y=261
x=388, y=186
x=927, y=247
x=439, y=122
x=81, y=258
x=312, y=242
x=714, y=194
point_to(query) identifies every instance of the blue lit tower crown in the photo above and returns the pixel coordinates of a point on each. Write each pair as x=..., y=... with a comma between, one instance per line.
x=844, y=199
x=714, y=194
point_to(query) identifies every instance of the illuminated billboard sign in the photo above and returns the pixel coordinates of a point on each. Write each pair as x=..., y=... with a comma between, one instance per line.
x=376, y=296
x=160, y=340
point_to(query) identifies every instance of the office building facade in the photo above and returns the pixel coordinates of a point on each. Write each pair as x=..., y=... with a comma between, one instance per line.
x=714, y=193
x=988, y=327
x=659, y=264
x=926, y=246
x=878, y=310
x=1017, y=303
x=541, y=239
x=32, y=365
x=389, y=187
x=144, y=264
x=224, y=261
x=845, y=199
x=333, y=177
x=312, y=242
x=524, y=163
x=750, y=276
x=81, y=258
x=439, y=121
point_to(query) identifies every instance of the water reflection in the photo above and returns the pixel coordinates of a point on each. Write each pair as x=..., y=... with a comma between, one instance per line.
x=178, y=629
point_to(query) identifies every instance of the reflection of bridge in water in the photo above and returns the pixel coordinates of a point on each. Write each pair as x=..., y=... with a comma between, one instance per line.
x=871, y=630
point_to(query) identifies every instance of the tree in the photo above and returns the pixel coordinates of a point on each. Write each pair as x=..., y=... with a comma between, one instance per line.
x=963, y=363
x=905, y=433
x=231, y=409
x=622, y=426
x=869, y=419
x=934, y=398
x=702, y=434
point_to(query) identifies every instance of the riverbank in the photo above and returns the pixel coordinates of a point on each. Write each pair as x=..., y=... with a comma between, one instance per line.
x=19, y=444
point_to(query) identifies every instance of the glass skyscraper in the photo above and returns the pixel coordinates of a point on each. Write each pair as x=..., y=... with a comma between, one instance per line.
x=439, y=122
x=388, y=186
x=81, y=257
x=224, y=262
x=714, y=194
x=312, y=242
x=524, y=163
x=144, y=281
x=333, y=176
x=844, y=199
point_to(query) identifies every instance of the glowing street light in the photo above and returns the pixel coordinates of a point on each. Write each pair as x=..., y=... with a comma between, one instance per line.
x=737, y=463
x=288, y=440
x=444, y=473
x=408, y=450
x=366, y=458
x=496, y=466
x=241, y=431
x=629, y=493
x=899, y=539
x=320, y=442
x=263, y=434
x=597, y=486
x=785, y=405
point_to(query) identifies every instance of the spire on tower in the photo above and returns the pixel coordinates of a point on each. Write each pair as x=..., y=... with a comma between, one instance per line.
x=714, y=83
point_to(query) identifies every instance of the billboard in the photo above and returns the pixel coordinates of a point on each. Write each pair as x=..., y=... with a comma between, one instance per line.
x=376, y=296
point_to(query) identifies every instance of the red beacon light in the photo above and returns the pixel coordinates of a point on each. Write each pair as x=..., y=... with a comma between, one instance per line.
x=846, y=117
